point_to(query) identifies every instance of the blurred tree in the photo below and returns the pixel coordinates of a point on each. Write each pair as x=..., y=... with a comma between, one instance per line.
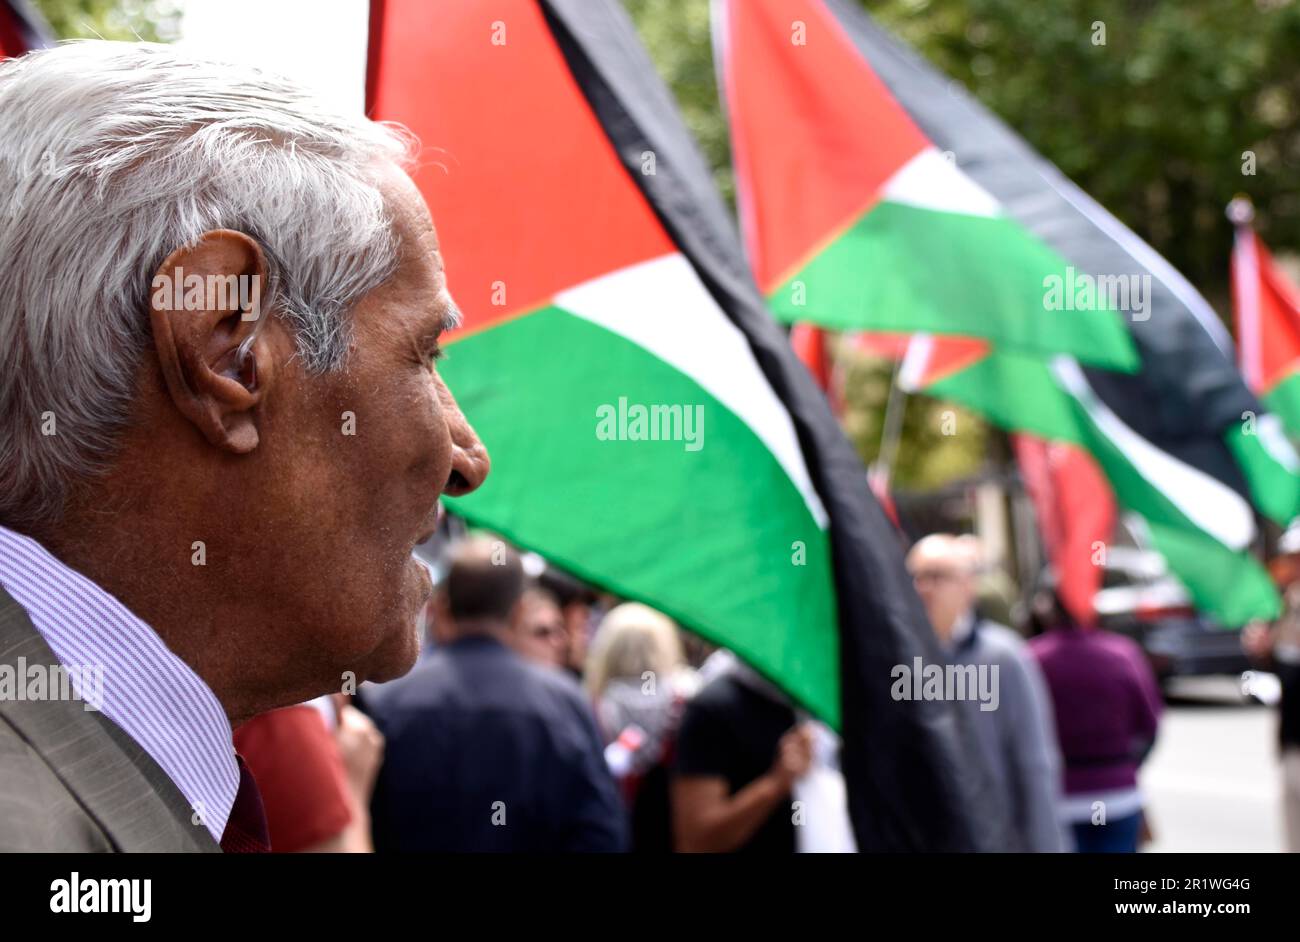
x=151, y=20
x=677, y=34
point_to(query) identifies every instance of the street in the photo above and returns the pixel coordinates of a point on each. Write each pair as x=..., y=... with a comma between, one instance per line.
x=1212, y=782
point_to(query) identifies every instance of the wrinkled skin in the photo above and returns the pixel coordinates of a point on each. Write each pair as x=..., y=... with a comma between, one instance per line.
x=306, y=579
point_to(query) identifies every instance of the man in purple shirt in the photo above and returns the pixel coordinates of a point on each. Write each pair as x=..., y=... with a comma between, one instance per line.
x=1107, y=706
x=221, y=432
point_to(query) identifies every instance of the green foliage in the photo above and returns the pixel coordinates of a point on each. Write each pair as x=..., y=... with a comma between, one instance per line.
x=151, y=20
x=677, y=34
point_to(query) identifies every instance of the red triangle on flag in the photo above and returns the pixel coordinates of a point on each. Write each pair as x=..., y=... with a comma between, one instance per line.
x=502, y=90
x=1267, y=306
x=809, y=342
x=935, y=356
x=823, y=103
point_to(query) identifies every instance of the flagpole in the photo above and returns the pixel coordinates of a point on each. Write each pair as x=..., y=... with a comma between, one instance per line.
x=891, y=428
x=1245, y=286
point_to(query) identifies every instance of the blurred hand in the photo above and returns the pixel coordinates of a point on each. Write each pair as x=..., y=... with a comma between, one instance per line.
x=793, y=756
x=1257, y=641
x=362, y=747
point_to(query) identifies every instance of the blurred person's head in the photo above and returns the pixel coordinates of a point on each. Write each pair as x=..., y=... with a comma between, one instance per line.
x=633, y=641
x=481, y=592
x=537, y=629
x=220, y=305
x=945, y=570
x=575, y=599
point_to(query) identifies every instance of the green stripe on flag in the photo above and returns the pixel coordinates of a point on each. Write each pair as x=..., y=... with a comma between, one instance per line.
x=1224, y=582
x=1284, y=400
x=1017, y=393
x=1267, y=461
x=910, y=269
x=1231, y=586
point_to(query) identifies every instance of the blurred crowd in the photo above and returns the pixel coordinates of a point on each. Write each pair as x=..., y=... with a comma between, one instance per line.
x=545, y=716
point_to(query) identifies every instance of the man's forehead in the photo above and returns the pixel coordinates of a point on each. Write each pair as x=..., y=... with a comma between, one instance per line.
x=411, y=219
x=933, y=564
x=421, y=252
x=933, y=549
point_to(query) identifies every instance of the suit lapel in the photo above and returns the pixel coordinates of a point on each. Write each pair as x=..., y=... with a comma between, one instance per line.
x=117, y=783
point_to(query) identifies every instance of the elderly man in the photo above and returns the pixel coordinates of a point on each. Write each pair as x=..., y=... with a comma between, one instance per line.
x=222, y=430
x=1016, y=735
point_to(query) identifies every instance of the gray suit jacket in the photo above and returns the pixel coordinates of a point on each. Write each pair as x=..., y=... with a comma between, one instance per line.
x=71, y=780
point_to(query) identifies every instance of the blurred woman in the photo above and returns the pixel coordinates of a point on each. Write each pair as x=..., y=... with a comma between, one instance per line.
x=638, y=681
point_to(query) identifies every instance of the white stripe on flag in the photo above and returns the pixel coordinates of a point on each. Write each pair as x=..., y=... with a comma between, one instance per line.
x=932, y=181
x=662, y=306
x=1204, y=500
x=911, y=372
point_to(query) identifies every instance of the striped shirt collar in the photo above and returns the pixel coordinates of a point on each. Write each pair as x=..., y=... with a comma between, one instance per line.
x=148, y=691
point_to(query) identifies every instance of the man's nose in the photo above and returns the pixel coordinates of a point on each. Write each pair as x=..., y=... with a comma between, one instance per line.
x=469, y=458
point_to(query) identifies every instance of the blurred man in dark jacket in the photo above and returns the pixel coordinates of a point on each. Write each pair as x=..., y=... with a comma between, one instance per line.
x=486, y=751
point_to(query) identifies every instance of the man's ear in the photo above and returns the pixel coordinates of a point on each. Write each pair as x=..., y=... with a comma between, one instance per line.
x=216, y=355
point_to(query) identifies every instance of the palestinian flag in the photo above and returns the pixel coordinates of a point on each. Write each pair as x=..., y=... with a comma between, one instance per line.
x=650, y=428
x=840, y=193
x=20, y=29
x=1088, y=336
x=1267, y=307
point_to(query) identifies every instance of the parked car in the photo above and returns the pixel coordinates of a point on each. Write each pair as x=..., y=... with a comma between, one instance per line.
x=1141, y=599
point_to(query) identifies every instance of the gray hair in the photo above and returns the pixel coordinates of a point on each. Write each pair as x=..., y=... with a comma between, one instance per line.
x=113, y=156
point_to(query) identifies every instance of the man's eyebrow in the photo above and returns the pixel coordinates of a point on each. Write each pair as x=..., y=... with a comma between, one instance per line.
x=451, y=316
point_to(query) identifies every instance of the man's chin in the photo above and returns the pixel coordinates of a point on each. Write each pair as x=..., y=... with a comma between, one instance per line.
x=397, y=656
x=401, y=647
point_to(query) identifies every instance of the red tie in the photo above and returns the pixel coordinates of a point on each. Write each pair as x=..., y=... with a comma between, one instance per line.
x=246, y=831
